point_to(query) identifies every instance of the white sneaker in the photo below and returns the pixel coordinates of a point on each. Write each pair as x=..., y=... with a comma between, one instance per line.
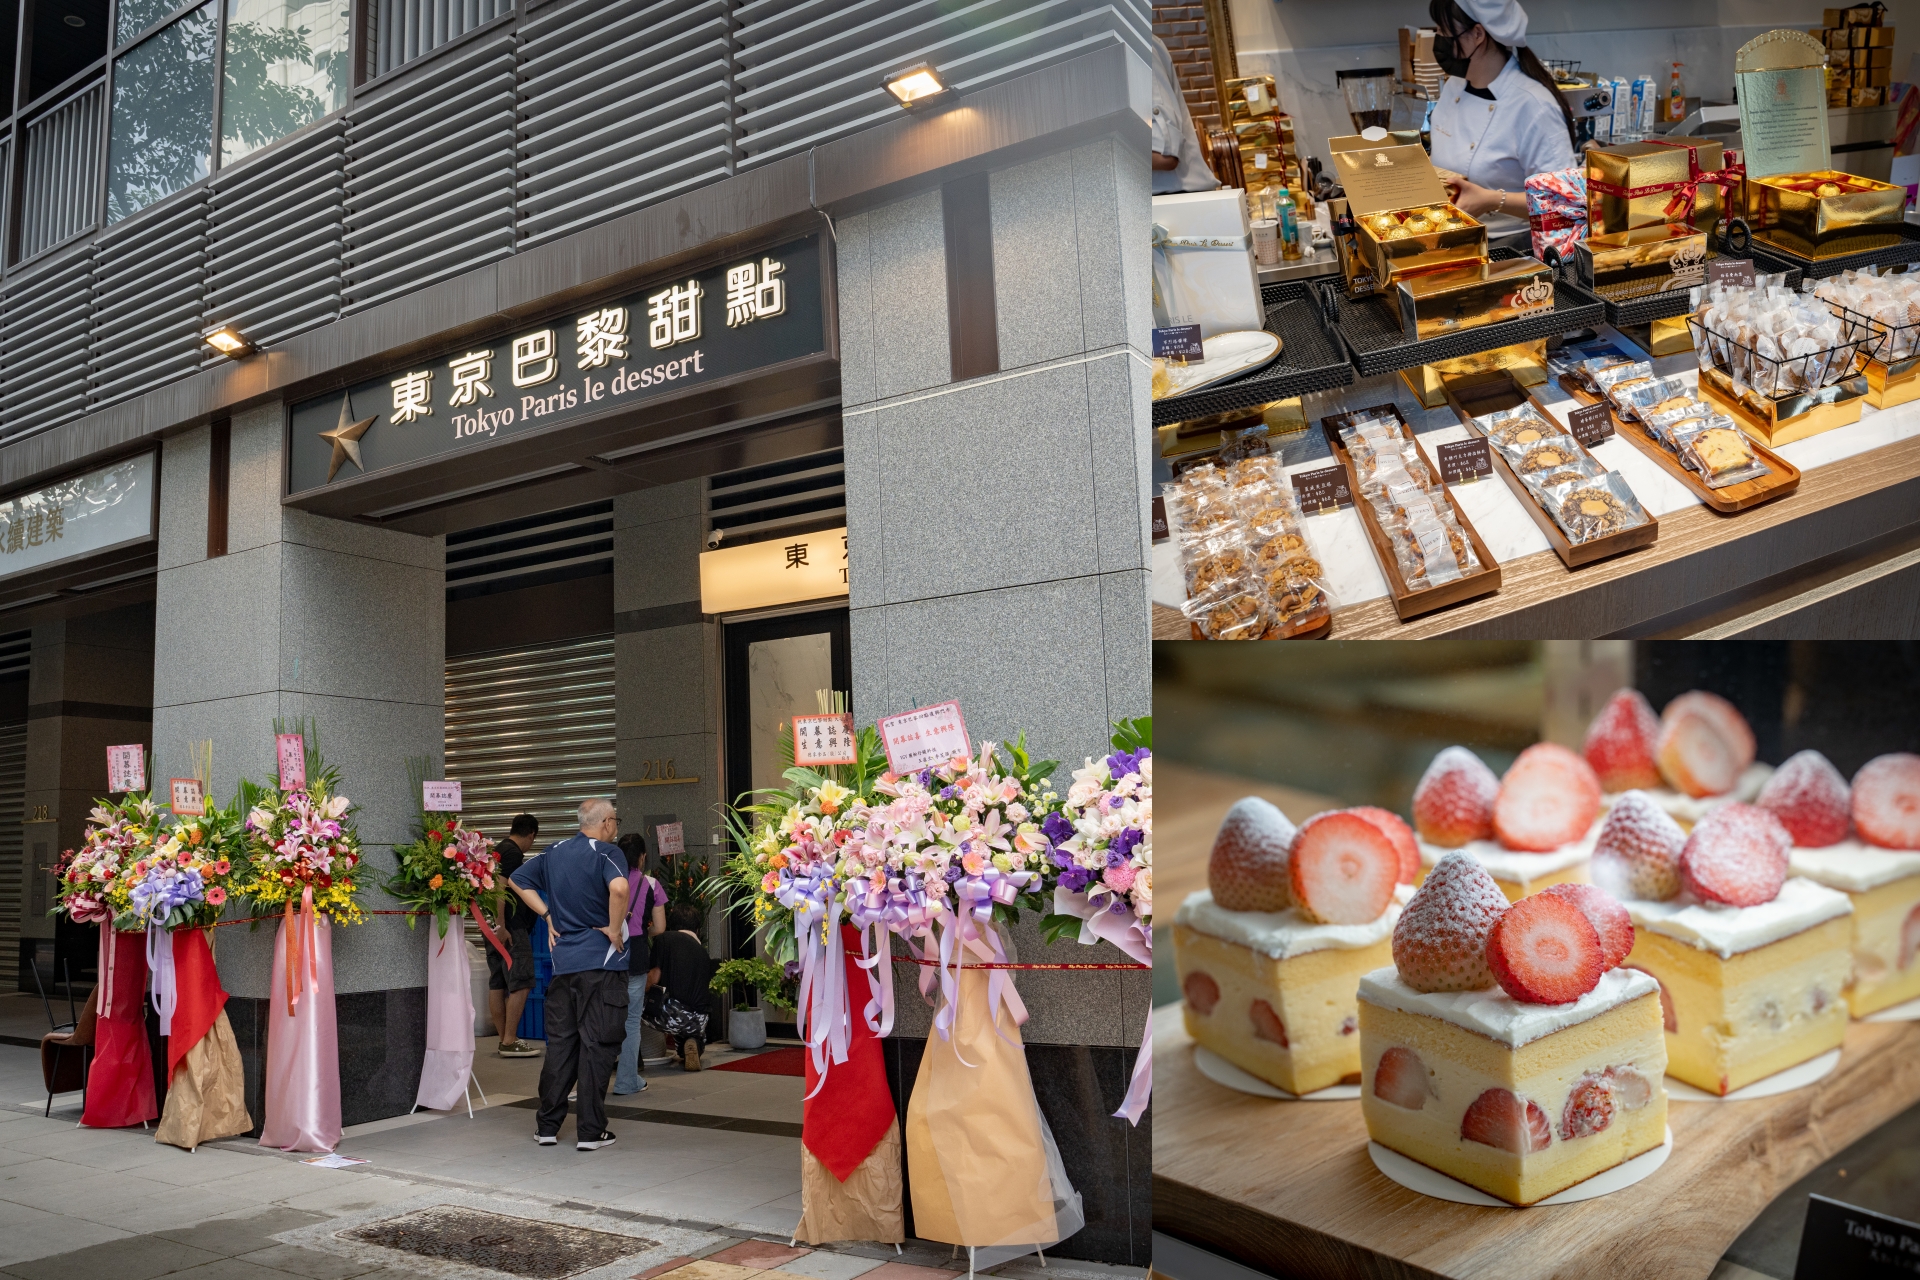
x=604, y=1140
x=546, y=1139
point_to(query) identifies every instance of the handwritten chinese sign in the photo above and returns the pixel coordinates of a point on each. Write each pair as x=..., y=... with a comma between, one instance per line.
x=291, y=750
x=127, y=768
x=825, y=739
x=440, y=797
x=923, y=737
x=187, y=798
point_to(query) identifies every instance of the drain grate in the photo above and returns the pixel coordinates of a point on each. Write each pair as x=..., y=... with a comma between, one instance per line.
x=516, y=1246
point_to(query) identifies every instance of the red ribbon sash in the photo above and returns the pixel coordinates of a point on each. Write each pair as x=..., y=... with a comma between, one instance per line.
x=487, y=933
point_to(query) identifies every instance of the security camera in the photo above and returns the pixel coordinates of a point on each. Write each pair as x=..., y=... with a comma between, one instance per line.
x=713, y=539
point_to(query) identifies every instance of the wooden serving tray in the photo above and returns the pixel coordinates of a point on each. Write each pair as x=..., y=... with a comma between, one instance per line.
x=1500, y=390
x=1785, y=477
x=1410, y=602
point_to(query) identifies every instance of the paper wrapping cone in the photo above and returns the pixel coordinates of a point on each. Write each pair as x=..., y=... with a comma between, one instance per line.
x=865, y=1205
x=120, y=1082
x=303, y=1047
x=449, y=1061
x=208, y=1096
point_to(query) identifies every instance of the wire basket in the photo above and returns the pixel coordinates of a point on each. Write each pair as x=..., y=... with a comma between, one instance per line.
x=1773, y=377
x=1887, y=343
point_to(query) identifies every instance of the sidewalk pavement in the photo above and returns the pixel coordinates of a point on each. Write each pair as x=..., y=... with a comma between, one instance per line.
x=704, y=1179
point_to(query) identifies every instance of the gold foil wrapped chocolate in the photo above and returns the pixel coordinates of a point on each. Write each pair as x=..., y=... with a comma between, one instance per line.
x=1630, y=264
x=1444, y=302
x=1790, y=211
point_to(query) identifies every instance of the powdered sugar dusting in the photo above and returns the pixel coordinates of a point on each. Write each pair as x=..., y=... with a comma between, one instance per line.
x=1280, y=934
x=1495, y=1014
x=1853, y=865
x=1637, y=854
x=1440, y=943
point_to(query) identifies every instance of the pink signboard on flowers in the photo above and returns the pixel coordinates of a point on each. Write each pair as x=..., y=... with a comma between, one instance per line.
x=127, y=768
x=926, y=736
x=440, y=797
x=292, y=750
x=823, y=739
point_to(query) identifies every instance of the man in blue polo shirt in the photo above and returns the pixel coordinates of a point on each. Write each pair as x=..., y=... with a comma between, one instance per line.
x=578, y=887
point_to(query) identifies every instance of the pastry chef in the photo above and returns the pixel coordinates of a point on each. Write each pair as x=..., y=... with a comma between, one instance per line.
x=1177, y=162
x=1499, y=118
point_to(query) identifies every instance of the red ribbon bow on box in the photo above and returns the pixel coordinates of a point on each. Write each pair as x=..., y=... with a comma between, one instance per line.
x=1685, y=194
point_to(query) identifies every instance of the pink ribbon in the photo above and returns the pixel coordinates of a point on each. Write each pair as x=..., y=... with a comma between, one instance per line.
x=299, y=931
x=1132, y=936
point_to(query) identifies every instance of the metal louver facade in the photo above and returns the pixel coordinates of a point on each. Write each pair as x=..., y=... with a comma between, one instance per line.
x=532, y=730
x=404, y=30
x=15, y=657
x=148, y=290
x=61, y=192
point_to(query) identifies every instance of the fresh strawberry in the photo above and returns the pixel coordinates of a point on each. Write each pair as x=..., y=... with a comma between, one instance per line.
x=1401, y=1078
x=1637, y=854
x=1810, y=798
x=1608, y=918
x=1454, y=801
x=1343, y=869
x=1737, y=854
x=1666, y=1001
x=1631, y=1089
x=1589, y=1107
x=1886, y=801
x=1910, y=938
x=1548, y=798
x=1440, y=940
x=1248, y=868
x=1266, y=1024
x=1620, y=743
x=1497, y=1118
x=1705, y=745
x=1544, y=951
x=1395, y=829
x=1202, y=992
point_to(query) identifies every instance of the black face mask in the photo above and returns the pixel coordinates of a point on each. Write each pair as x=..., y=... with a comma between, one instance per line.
x=1446, y=53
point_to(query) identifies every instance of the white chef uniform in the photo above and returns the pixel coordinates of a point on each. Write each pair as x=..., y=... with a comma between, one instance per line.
x=1173, y=132
x=1500, y=144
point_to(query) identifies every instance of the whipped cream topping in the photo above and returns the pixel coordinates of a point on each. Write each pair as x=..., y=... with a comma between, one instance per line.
x=1498, y=1016
x=1727, y=930
x=1690, y=809
x=1280, y=934
x=1503, y=863
x=1853, y=865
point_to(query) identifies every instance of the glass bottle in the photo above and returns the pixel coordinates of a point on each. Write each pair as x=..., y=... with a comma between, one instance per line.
x=1284, y=213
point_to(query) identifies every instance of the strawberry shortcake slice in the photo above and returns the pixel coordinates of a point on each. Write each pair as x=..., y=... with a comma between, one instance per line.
x=1696, y=755
x=1530, y=829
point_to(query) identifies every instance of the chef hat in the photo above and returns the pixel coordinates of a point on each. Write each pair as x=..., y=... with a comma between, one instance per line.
x=1504, y=20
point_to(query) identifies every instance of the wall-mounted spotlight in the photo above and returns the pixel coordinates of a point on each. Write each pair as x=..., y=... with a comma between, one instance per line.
x=228, y=341
x=916, y=85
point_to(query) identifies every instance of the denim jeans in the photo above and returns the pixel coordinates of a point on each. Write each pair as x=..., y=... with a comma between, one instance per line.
x=627, y=1078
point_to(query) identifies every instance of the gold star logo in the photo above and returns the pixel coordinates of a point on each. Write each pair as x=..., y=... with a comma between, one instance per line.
x=345, y=439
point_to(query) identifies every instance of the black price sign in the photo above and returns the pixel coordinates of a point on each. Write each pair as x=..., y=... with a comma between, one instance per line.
x=1322, y=490
x=1841, y=1242
x=1465, y=460
x=1160, y=531
x=1179, y=343
x=1738, y=271
x=1590, y=424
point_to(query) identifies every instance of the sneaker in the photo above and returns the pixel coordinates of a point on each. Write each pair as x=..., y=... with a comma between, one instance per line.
x=519, y=1049
x=546, y=1139
x=594, y=1144
x=690, y=1054
x=628, y=1093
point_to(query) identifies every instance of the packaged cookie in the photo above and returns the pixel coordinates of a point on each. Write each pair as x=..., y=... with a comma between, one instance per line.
x=1605, y=380
x=1586, y=374
x=1593, y=508
x=1659, y=395
x=1719, y=451
x=1214, y=564
x=1693, y=415
x=1581, y=468
x=1197, y=508
x=1237, y=615
x=1520, y=426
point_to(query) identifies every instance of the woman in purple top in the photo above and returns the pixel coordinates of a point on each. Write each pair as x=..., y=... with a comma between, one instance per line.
x=646, y=919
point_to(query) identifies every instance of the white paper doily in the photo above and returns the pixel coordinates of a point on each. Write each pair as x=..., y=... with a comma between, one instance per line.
x=1908, y=1012
x=1415, y=1176
x=1220, y=1071
x=1795, y=1077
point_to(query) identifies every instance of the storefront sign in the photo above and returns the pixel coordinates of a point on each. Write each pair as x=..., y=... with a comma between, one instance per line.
x=759, y=575
x=823, y=739
x=1842, y=1241
x=127, y=768
x=291, y=749
x=188, y=799
x=440, y=797
x=669, y=839
x=675, y=335
x=923, y=737
x=99, y=511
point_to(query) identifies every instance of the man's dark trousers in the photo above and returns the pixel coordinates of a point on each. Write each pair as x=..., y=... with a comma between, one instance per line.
x=586, y=1020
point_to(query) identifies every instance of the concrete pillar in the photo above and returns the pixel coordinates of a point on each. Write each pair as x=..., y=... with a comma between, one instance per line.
x=306, y=616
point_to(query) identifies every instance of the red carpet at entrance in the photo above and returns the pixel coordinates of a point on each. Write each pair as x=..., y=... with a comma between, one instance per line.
x=788, y=1061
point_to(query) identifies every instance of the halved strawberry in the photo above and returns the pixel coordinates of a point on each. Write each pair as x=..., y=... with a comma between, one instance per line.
x=1395, y=829
x=1343, y=869
x=1440, y=940
x=1589, y=1107
x=1737, y=854
x=1910, y=938
x=1497, y=1118
x=1666, y=1001
x=1453, y=803
x=1705, y=744
x=1726, y=719
x=1202, y=992
x=1631, y=1089
x=1621, y=740
x=1810, y=798
x=1401, y=1078
x=1544, y=951
x=1886, y=801
x=1548, y=798
x=1266, y=1024
x=1637, y=854
x=1247, y=870
x=1608, y=918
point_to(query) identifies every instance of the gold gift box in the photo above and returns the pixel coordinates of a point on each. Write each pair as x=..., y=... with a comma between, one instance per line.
x=1631, y=264
x=1251, y=96
x=1652, y=164
x=1484, y=293
x=1787, y=210
x=1392, y=259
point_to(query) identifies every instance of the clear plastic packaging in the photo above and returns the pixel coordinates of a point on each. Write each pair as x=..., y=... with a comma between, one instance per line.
x=1662, y=395
x=1771, y=340
x=1587, y=509
x=1879, y=311
x=1410, y=505
x=1718, y=451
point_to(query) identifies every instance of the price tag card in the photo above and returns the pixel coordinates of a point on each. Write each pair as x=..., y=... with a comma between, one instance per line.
x=1182, y=342
x=1160, y=531
x=1736, y=271
x=188, y=799
x=440, y=797
x=825, y=739
x=669, y=839
x=1323, y=490
x=1590, y=424
x=1465, y=460
x=291, y=749
x=127, y=768
x=1841, y=1242
x=925, y=736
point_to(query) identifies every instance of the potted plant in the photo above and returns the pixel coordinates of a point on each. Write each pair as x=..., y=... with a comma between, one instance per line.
x=747, y=1027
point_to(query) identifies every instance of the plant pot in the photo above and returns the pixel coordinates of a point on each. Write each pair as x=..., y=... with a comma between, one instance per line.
x=747, y=1028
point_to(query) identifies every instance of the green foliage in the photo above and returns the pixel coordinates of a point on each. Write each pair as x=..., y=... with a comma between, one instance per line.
x=1059, y=928
x=1131, y=735
x=686, y=882
x=765, y=977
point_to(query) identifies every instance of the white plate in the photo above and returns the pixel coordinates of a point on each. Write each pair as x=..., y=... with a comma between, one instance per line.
x=1220, y=1071
x=1797, y=1077
x=1227, y=355
x=1415, y=1176
x=1908, y=1012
